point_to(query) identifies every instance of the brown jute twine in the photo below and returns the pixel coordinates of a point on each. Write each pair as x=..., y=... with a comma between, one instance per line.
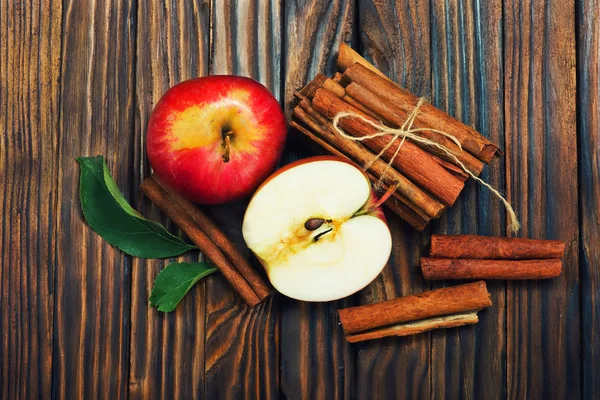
x=406, y=131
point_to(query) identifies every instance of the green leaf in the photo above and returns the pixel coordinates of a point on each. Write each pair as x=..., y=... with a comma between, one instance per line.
x=108, y=213
x=173, y=282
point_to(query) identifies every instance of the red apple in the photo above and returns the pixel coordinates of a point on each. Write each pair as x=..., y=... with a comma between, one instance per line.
x=317, y=229
x=215, y=138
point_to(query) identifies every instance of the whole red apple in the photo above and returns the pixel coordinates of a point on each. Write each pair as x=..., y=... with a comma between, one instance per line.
x=216, y=138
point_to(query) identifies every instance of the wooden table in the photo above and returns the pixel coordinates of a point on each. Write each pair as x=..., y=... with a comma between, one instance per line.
x=81, y=78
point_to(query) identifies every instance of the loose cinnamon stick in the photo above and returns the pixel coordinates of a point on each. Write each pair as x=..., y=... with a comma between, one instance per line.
x=396, y=117
x=398, y=205
x=261, y=289
x=362, y=156
x=430, y=309
x=449, y=268
x=414, y=162
x=413, y=328
x=489, y=247
x=432, y=117
x=347, y=57
x=183, y=220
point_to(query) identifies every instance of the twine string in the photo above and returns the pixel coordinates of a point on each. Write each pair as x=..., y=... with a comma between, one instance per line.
x=406, y=131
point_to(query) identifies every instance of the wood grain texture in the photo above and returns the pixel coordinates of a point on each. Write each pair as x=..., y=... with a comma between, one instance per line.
x=167, y=350
x=81, y=77
x=316, y=360
x=395, y=37
x=242, y=344
x=543, y=327
x=588, y=108
x=470, y=362
x=314, y=30
x=92, y=280
x=29, y=106
x=246, y=40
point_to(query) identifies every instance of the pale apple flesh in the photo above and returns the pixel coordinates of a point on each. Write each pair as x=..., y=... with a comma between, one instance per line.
x=347, y=250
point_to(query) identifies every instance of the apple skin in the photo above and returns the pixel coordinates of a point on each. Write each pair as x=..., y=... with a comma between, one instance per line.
x=186, y=137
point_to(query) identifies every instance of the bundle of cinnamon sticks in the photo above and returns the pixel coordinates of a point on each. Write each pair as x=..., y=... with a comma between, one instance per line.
x=427, y=179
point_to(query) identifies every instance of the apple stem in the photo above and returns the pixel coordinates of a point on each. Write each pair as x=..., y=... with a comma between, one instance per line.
x=386, y=195
x=379, y=202
x=227, y=140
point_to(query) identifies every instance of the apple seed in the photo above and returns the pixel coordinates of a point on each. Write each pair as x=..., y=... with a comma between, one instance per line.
x=313, y=223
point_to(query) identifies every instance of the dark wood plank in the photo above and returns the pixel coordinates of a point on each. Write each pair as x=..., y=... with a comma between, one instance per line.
x=588, y=106
x=29, y=108
x=470, y=362
x=167, y=350
x=92, y=281
x=242, y=358
x=395, y=36
x=316, y=360
x=313, y=31
x=246, y=40
x=543, y=326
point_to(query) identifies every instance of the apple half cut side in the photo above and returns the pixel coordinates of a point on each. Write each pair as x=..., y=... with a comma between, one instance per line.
x=315, y=230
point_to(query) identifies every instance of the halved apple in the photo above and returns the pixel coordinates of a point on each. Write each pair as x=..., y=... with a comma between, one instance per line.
x=316, y=230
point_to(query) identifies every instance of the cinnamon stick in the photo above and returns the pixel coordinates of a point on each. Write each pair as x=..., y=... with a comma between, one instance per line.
x=471, y=140
x=338, y=78
x=453, y=169
x=449, y=268
x=261, y=289
x=427, y=310
x=183, y=220
x=401, y=208
x=312, y=86
x=353, y=102
x=413, y=328
x=325, y=125
x=396, y=117
x=362, y=156
x=489, y=247
x=347, y=57
x=417, y=164
x=334, y=87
